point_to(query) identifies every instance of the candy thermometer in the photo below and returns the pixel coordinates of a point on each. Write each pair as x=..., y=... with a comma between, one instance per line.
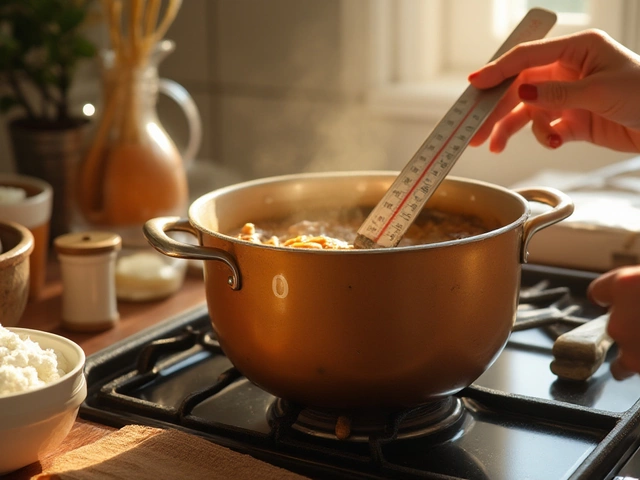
x=394, y=214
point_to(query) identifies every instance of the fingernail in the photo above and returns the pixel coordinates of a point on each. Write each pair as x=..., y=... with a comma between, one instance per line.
x=554, y=141
x=472, y=76
x=528, y=92
x=595, y=301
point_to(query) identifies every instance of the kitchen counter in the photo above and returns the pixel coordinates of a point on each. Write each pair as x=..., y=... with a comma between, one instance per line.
x=45, y=314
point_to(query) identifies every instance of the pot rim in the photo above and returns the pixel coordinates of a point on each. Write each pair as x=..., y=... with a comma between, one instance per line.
x=207, y=197
x=45, y=190
x=21, y=250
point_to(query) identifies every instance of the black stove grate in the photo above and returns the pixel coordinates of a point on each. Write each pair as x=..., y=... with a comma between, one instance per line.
x=117, y=375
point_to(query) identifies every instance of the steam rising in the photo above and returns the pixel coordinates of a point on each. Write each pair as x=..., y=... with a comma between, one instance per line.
x=316, y=138
x=295, y=109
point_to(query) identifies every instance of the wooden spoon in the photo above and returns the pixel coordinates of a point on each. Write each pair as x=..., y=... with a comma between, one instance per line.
x=580, y=352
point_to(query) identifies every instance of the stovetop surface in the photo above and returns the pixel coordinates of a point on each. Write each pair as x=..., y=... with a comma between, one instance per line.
x=519, y=421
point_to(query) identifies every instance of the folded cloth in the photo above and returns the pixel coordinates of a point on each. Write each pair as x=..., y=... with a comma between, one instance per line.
x=142, y=453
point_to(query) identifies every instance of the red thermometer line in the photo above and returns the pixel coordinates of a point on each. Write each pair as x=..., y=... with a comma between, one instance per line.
x=421, y=178
x=401, y=204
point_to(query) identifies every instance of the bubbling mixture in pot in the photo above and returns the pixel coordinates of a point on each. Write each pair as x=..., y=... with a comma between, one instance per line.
x=329, y=230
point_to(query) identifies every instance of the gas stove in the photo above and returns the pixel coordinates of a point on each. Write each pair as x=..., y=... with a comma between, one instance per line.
x=517, y=421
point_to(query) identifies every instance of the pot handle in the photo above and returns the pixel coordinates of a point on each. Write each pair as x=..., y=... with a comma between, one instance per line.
x=562, y=207
x=155, y=230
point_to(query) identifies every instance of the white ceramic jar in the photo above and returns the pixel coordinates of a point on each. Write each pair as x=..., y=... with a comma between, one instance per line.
x=87, y=267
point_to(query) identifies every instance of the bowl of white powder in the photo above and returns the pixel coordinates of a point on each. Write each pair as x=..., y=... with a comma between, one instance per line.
x=42, y=385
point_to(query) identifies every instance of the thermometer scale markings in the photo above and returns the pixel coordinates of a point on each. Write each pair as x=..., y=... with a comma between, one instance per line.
x=421, y=180
x=392, y=216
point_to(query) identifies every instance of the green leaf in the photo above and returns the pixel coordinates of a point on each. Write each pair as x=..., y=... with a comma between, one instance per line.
x=83, y=48
x=70, y=19
x=7, y=102
x=44, y=11
x=41, y=42
x=8, y=51
x=43, y=76
x=27, y=32
x=54, y=50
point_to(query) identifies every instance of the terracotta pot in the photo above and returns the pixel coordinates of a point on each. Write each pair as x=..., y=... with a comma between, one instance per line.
x=16, y=245
x=358, y=328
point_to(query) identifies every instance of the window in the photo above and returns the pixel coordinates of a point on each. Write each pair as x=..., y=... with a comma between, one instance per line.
x=423, y=50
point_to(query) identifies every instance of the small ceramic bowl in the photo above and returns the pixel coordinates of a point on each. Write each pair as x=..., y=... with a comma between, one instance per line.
x=34, y=422
x=16, y=245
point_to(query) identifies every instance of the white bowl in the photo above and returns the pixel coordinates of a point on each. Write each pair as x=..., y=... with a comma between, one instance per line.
x=33, y=423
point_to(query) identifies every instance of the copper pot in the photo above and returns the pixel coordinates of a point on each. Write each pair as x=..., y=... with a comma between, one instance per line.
x=358, y=328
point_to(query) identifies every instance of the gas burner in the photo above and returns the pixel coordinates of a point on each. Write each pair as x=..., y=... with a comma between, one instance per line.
x=365, y=425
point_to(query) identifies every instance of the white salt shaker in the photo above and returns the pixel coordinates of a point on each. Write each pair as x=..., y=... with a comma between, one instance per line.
x=87, y=267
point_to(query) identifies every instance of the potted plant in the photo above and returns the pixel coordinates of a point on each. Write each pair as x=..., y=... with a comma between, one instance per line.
x=42, y=43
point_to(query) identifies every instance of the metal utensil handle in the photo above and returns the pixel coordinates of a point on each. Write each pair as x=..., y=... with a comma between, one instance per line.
x=395, y=213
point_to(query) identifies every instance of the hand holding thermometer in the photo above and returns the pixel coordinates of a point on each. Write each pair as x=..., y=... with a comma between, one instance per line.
x=401, y=204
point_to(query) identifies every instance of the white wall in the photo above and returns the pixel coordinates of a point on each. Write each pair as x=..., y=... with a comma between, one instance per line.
x=281, y=88
x=522, y=158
